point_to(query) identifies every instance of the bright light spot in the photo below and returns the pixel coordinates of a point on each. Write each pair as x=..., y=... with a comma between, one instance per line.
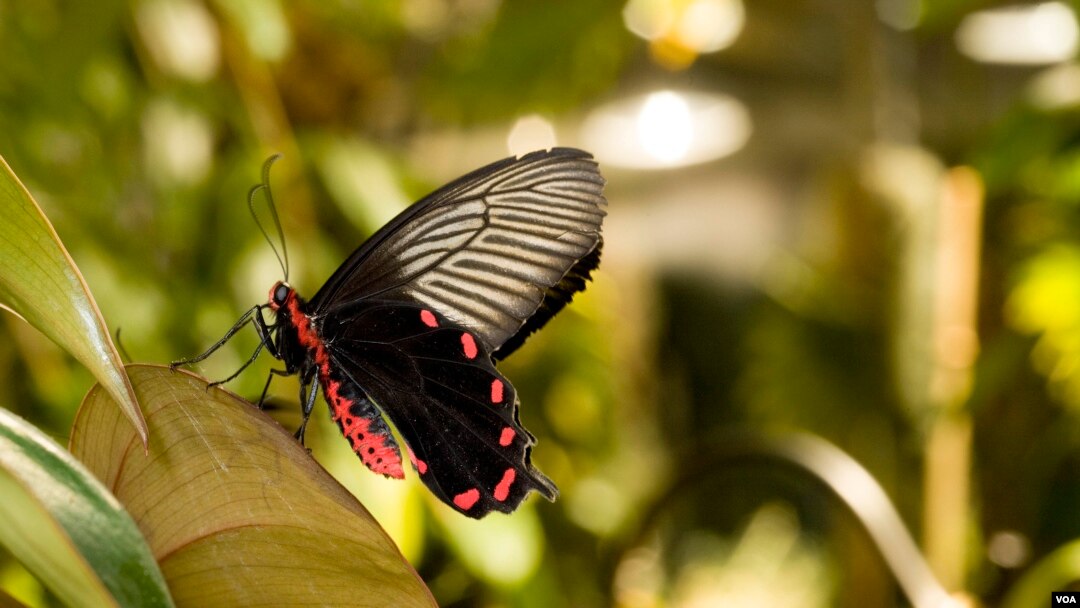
x=648, y=19
x=1036, y=34
x=433, y=20
x=667, y=129
x=639, y=578
x=708, y=26
x=1009, y=549
x=597, y=505
x=664, y=127
x=181, y=36
x=398, y=507
x=502, y=550
x=906, y=176
x=425, y=18
x=902, y=15
x=263, y=24
x=1056, y=87
x=679, y=30
x=178, y=142
x=717, y=572
x=530, y=133
x=362, y=181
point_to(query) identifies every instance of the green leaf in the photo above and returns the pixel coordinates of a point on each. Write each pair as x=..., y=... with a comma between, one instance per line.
x=67, y=529
x=1056, y=571
x=40, y=282
x=236, y=512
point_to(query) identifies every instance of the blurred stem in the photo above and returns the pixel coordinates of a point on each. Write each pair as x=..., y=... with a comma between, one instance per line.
x=863, y=496
x=947, y=510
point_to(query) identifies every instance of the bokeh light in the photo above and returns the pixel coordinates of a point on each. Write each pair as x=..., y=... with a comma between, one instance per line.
x=530, y=133
x=182, y=37
x=1021, y=34
x=680, y=30
x=1008, y=549
x=667, y=129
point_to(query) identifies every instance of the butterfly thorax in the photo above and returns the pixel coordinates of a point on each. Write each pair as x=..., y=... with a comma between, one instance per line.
x=299, y=344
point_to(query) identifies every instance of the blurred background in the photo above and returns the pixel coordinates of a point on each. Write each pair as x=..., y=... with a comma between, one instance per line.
x=852, y=220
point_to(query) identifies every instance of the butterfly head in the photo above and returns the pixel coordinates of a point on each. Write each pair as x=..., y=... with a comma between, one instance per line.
x=279, y=295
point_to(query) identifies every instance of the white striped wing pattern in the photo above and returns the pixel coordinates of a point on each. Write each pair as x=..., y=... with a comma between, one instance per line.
x=486, y=249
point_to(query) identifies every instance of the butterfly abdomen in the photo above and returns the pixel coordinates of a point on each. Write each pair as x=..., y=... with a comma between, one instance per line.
x=362, y=424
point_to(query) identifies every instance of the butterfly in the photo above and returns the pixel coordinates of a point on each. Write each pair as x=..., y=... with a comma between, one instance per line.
x=409, y=327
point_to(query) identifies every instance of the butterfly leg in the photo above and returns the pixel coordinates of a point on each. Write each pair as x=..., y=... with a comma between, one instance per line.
x=308, y=390
x=266, y=339
x=266, y=332
x=251, y=359
x=266, y=388
x=244, y=320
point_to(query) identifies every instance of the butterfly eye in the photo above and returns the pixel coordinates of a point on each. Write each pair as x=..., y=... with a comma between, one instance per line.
x=281, y=293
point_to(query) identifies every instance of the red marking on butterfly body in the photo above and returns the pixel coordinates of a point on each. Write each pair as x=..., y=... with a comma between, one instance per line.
x=371, y=447
x=428, y=318
x=507, y=436
x=309, y=338
x=503, y=489
x=469, y=344
x=467, y=499
x=496, y=391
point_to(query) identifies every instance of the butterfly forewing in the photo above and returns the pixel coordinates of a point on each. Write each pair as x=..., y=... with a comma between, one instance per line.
x=485, y=250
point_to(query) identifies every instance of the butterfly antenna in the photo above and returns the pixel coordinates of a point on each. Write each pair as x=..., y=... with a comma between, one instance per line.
x=283, y=256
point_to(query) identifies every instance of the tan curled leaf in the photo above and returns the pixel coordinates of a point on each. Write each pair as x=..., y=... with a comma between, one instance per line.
x=40, y=282
x=235, y=510
x=58, y=521
x=8, y=601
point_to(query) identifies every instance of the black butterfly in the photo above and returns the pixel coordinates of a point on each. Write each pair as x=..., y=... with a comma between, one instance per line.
x=411, y=324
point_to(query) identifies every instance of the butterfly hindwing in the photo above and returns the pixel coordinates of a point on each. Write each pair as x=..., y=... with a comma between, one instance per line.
x=456, y=413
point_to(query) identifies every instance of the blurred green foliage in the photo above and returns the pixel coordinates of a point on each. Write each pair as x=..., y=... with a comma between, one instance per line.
x=140, y=125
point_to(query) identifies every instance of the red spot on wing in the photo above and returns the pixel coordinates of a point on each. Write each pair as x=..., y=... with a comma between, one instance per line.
x=420, y=465
x=507, y=436
x=469, y=344
x=496, y=391
x=467, y=499
x=503, y=489
x=428, y=318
